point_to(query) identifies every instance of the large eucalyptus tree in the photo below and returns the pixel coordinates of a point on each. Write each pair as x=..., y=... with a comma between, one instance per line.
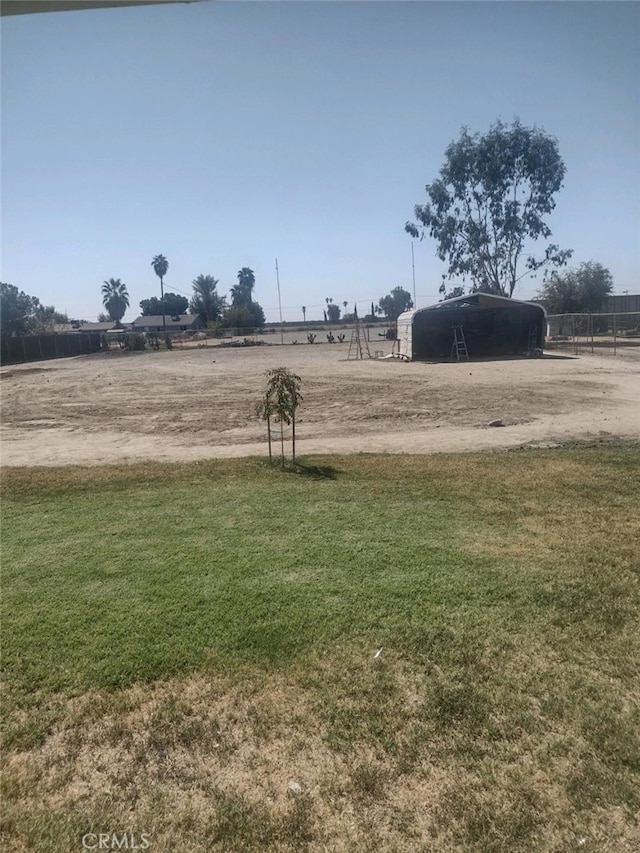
x=490, y=204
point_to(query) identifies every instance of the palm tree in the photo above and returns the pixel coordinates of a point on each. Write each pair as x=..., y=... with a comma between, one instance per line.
x=304, y=313
x=241, y=292
x=115, y=298
x=160, y=265
x=205, y=300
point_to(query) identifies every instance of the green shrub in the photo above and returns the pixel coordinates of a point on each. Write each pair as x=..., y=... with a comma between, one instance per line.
x=135, y=341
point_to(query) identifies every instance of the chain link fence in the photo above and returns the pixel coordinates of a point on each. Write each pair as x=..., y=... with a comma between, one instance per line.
x=575, y=333
x=596, y=333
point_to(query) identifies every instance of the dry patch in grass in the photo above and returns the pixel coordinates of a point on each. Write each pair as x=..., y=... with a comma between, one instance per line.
x=387, y=756
x=502, y=714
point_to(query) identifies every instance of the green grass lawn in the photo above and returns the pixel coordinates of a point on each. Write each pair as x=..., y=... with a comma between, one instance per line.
x=182, y=641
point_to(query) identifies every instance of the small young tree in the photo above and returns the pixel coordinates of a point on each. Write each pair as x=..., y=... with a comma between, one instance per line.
x=280, y=402
x=265, y=411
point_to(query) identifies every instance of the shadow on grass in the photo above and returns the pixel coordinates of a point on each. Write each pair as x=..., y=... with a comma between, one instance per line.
x=315, y=472
x=306, y=469
x=302, y=468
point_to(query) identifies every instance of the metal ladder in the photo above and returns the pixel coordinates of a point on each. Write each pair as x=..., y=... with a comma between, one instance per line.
x=459, y=346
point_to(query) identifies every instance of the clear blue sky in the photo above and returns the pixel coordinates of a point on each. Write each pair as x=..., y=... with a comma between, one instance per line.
x=224, y=135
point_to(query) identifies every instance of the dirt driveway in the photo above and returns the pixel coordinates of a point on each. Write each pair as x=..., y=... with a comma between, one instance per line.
x=199, y=403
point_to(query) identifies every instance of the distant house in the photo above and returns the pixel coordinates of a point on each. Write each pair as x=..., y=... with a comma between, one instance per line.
x=103, y=328
x=86, y=328
x=173, y=323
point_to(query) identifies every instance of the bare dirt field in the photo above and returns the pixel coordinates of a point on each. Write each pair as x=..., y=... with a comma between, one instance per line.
x=199, y=403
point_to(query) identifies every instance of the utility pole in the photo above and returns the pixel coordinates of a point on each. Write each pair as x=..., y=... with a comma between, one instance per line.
x=413, y=270
x=279, y=304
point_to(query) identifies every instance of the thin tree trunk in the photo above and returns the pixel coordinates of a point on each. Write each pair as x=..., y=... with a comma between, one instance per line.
x=164, y=323
x=269, y=437
x=293, y=437
x=282, y=442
